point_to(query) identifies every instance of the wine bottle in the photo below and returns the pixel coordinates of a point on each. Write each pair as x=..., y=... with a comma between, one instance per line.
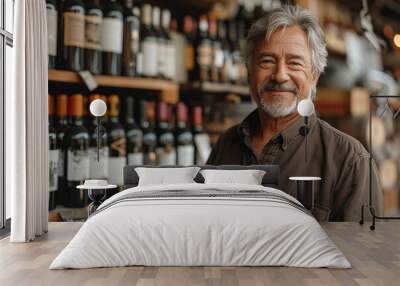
x=226, y=52
x=198, y=132
x=116, y=142
x=161, y=42
x=258, y=9
x=217, y=53
x=53, y=156
x=246, y=12
x=184, y=137
x=235, y=53
x=61, y=126
x=203, y=51
x=51, y=18
x=111, y=38
x=242, y=42
x=73, y=35
x=98, y=161
x=93, y=24
x=76, y=153
x=190, y=33
x=134, y=135
x=86, y=116
x=131, y=43
x=147, y=123
x=169, y=47
x=166, y=153
x=149, y=45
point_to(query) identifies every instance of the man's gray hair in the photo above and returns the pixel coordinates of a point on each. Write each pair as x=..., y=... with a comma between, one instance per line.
x=287, y=16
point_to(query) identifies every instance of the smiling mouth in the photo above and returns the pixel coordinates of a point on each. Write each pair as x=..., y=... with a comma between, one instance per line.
x=279, y=90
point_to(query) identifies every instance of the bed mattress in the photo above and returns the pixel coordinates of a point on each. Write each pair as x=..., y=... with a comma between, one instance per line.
x=201, y=225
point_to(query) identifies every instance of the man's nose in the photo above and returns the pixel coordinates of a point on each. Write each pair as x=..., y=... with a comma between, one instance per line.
x=280, y=74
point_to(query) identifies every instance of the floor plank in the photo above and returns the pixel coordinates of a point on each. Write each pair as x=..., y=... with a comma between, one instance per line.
x=375, y=257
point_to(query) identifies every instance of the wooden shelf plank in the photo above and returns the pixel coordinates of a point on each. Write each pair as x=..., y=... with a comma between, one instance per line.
x=169, y=90
x=213, y=87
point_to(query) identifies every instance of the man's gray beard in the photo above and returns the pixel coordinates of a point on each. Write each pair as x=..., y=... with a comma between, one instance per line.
x=278, y=108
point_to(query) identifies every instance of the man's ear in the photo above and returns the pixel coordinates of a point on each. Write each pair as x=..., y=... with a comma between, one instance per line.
x=315, y=78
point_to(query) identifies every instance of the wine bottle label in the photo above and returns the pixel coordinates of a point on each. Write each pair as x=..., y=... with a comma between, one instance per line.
x=226, y=70
x=243, y=73
x=185, y=155
x=139, y=63
x=78, y=165
x=116, y=169
x=93, y=26
x=150, y=158
x=60, y=169
x=149, y=139
x=119, y=146
x=89, y=80
x=166, y=156
x=51, y=17
x=204, y=57
x=135, y=159
x=189, y=57
x=53, y=170
x=218, y=57
x=234, y=72
x=135, y=135
x=170, y=61
x=162, y=58
x=150, y=57
x=99, y=169
x=111, y=35
x=203, y=148
x=74, y=29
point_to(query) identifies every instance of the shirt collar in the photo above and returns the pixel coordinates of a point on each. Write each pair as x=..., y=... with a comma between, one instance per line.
x=251, y=126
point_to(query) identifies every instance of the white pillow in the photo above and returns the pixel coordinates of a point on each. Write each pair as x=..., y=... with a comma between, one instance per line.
x=163, y=176
x=248, y=177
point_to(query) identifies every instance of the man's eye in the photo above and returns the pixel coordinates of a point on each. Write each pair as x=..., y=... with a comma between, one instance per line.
x=295, y=63
x=266, y=62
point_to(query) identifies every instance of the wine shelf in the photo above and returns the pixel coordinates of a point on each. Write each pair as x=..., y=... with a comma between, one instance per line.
x=169, y=91
x=212, y=87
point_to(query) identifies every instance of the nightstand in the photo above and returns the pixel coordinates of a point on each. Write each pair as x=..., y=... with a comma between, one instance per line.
x=305, y=192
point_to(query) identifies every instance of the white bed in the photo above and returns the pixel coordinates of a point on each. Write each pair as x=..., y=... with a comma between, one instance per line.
x=226, y=225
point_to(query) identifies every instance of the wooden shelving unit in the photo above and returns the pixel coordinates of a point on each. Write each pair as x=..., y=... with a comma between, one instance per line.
x=212, y=87
x=169, y=91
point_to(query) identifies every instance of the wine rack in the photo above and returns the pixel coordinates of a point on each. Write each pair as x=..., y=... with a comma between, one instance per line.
x=169, y=90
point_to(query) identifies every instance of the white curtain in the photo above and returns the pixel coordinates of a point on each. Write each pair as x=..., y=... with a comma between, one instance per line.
x=27, y=124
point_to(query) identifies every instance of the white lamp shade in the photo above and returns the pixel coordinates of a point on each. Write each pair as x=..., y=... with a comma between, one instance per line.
x=98, y=107
x=305, y=107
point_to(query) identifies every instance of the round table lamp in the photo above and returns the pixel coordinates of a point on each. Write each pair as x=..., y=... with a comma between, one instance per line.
x=97, y=188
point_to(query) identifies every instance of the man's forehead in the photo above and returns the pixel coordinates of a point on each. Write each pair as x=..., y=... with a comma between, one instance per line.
x=291, y=38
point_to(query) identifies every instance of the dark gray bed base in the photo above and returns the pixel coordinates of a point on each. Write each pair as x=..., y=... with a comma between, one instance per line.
x=271, y=178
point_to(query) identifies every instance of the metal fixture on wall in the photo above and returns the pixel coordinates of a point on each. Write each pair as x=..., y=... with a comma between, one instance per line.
x=370, y=206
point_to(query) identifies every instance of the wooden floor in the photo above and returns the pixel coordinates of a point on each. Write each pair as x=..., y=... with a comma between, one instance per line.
x=375, y=257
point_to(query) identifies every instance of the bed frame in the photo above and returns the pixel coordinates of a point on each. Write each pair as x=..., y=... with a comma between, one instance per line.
x=271, y=177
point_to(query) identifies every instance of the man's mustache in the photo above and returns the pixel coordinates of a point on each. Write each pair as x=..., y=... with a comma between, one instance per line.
x=275, y=86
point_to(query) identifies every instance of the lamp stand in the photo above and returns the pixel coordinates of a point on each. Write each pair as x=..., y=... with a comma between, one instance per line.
x=370, y=206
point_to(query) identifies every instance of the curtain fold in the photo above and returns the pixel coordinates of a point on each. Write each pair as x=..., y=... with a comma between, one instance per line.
x=27, y=124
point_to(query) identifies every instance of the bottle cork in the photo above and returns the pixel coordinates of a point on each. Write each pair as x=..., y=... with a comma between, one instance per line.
x=61, y=102
x=51, y=105
x=181, y=112
x=75, y=105
x=113, y=103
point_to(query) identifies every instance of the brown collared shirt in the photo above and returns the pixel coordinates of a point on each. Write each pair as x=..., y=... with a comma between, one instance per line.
x=339, y=159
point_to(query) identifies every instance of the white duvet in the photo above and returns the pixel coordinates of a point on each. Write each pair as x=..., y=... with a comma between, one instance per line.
x=200, y=231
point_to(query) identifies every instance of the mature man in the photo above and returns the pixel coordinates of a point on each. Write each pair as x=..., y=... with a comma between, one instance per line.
x=285, y=55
